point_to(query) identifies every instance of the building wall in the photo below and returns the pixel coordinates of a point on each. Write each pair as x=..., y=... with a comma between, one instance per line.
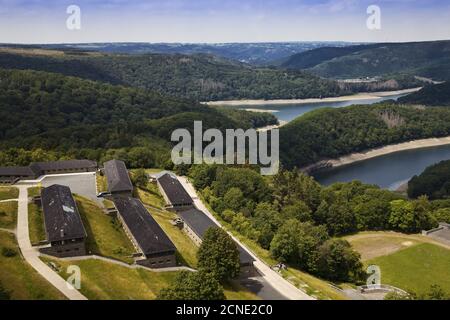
x=162, y=261
x=197, y=240
x=68, y=249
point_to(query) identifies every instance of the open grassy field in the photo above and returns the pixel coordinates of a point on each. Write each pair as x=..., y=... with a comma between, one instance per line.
x=8, y=214
x=102, y=280
x=36, y=226
x=416, y=268
x=376, y=244
x=106, y=236
x=19, y=278
x=186, y=248
x=8, y=193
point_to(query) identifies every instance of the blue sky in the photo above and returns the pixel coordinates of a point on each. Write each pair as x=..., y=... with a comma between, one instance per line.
x=44, y=21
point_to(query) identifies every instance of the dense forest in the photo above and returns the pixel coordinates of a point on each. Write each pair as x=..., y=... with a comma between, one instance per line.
x=432, y=95
x=295, y=218
x=434, y=182
x=330, y=133
x=426, y=59
x=59, y=116
x=201, y=77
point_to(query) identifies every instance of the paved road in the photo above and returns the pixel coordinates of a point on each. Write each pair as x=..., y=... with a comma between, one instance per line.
x=82, y=184
x=31, y=255
x=271, y=277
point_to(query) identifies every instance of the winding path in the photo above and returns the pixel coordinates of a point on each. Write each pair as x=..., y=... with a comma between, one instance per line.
x=31, y=255
x=283, y=286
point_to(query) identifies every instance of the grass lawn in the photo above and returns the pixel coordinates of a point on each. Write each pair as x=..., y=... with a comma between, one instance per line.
x=8, y=214
x=416, y=268
x=34, y=191
x=19, y=278
x=373, y=244
x=150, y=195
x=102, y=185
x=106, y=236
x=319, y=288
x=186, y=248
x=101, y=280
x=8, y=193
x=36, y=226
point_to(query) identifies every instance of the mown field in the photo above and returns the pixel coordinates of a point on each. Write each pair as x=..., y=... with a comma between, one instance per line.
x=101, y=280
x=18, y=278
x=106, y=236
x=411, y=262
x=417, y=268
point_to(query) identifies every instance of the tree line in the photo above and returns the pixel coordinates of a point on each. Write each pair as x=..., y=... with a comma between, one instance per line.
x=302, y=222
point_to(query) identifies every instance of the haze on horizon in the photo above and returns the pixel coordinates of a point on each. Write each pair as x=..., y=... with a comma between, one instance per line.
x=217, y=21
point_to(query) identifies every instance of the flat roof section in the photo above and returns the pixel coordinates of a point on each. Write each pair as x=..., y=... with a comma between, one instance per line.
x=61, y=217
x=199, y=223
x=174, y=190
x=149, y=236
x=117, y=176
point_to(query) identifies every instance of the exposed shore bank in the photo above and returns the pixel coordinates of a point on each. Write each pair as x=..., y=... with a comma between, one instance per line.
x=358, y=96
x=377, y=152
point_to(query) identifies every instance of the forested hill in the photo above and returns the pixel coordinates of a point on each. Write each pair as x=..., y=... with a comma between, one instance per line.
x=433, y=95
x=331, y=133
x=82, y=118
x=312, y=58
x=426, y=59
x=200, y=77
x=433, y=182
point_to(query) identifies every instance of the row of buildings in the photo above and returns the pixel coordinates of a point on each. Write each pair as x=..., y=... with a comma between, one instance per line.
x=66, y=234
x=10, y=175
x=194, y=221
x=155, y=248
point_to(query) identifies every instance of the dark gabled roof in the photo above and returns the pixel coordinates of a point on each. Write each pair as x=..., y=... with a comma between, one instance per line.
x=174, y=190
x=61, y=216
x=117, y=176
x=37, y=168
x=149, y=236
x=199, y=223
x=65, y=165
x=16, y=171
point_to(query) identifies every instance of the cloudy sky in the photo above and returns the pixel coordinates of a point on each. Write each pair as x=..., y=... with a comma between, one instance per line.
x=44, y=21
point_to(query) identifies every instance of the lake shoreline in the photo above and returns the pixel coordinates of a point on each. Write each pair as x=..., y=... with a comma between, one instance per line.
x=358, y=96
x=377, y=152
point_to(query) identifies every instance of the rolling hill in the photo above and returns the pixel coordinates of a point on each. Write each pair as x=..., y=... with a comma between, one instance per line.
x=425, y=59
x=260, y=53
x=72, y=117
x=433, y=95
x=200, y=77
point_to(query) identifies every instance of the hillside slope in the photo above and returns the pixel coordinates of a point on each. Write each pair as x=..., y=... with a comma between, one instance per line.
x=331, y=133
x=75, y=117
x=200, y=77
x=433, y=95
x=426, y=59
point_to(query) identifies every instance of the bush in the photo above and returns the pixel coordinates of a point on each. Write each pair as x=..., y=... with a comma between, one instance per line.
x=9, y=252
